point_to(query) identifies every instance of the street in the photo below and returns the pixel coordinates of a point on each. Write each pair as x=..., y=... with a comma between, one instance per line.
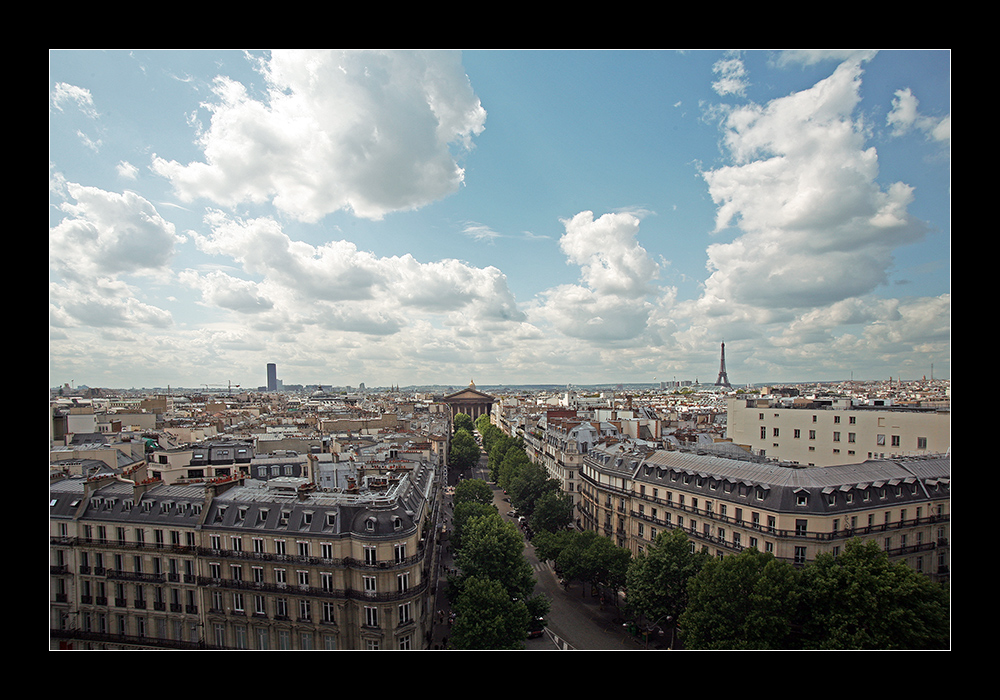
x=577, y=619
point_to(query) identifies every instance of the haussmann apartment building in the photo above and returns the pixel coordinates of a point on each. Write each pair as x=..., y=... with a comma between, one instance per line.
x=796, y=513
x=238, y=563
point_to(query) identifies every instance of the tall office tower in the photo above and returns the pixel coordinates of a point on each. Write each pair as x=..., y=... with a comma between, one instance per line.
x=272, y=377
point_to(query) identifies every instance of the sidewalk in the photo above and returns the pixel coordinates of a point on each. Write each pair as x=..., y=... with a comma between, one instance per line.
x=442, y=610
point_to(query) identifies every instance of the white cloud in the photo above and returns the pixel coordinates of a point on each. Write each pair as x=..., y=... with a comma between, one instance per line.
x=339, y=287
x=106, y=233
x=617, y=274
x=732, y=76
x=127, y=171
x=905, y=115
x=64, y=94
x=610, y=257
x=817, y=227
x=364, y=131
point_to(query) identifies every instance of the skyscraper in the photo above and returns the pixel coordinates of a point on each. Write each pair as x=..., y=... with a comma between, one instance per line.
x=272, y=377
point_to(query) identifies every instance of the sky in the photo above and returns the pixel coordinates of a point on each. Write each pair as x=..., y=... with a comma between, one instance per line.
x=502, y=217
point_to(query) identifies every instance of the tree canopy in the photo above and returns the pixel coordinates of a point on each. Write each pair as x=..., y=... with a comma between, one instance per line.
x=473, y=490
x=741, y=601
x=464, y=452
x=486, y=617
x=493, y=548
x=657, y=580
x=859, y=600
x=463, y=422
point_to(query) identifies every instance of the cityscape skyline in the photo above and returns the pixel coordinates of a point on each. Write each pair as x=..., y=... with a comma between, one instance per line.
x=509, y=217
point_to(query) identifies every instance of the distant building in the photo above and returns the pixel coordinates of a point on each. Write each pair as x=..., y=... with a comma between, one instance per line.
x=836, y=431
x=469, y=401
x=272, y=377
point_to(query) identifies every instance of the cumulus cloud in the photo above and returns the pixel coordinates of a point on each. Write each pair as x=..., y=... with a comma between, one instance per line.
x=106, y=233
x=368, y=132
x=905, y=116
x=816, y=225
x=338, y=286
x=617, y=275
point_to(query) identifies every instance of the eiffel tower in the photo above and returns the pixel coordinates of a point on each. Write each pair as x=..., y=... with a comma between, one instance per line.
x=723, y=379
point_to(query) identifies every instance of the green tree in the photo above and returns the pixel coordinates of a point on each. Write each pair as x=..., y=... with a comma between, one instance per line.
x=486, y=617
x=463, y=422
x=527, y=483
x=549, y=545
x=464, y=512
x=588, y=557
x=497, y=452
x=553, y=511
x=658, y=578
x=859, y=600
x=515, y=460
x=473, y=490
x=483, y=423
x=464, y=452
x=741, y=601
x=493, y=548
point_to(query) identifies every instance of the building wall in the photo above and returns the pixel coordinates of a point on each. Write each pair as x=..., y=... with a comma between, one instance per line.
x=191, y=570
x=828, y=436
x=723, y=506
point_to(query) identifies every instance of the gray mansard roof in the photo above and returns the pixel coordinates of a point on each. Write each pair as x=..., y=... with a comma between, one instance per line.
x=287, y=505
x=810, y=490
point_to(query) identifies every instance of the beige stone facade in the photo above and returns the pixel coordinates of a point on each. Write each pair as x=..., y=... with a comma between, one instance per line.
x=727, y=505
x=242, y=564
x=823, y=435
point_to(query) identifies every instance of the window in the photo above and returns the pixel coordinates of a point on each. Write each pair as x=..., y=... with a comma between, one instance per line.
x=371, y=616
x=329, y=611
x=405, y=613
x=369, y=582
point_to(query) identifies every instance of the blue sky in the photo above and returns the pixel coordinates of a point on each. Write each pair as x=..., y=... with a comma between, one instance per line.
x=567, y=217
